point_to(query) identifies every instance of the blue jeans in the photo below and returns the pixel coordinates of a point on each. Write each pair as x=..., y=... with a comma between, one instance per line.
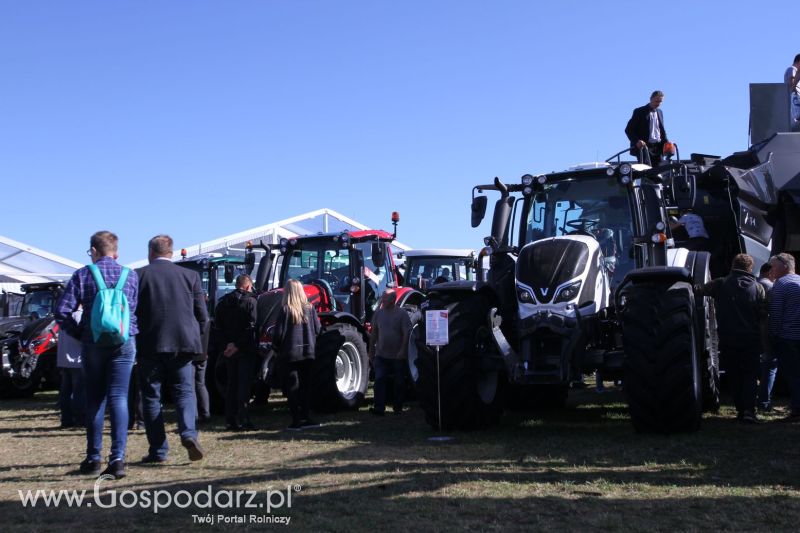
x=383, y=369
x=789, y=361
x=72, y=397
x=107, y=372
x=769, y=368
x=176, y=369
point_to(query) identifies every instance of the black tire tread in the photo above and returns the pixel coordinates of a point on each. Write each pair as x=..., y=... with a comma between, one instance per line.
x=460, y=366
x=659, y=368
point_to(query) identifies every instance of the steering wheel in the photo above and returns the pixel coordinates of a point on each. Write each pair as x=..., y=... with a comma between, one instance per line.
x=581, y=226
x=331, y=279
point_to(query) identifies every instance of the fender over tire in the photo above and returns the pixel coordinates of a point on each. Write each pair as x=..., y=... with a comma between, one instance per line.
x=662, y=361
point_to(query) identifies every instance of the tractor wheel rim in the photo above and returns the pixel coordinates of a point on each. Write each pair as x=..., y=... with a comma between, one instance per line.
x=349, y=370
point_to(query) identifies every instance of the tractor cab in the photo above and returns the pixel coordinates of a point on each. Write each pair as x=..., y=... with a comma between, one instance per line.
x=341, y=272
x=218, y=273
x=426, y=268
x=344, y=276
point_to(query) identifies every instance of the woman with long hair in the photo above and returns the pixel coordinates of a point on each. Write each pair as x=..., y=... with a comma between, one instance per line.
x=294, y=340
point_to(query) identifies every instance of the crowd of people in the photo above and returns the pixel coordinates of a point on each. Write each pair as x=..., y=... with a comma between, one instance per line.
x=156, y=317
x=758, y=320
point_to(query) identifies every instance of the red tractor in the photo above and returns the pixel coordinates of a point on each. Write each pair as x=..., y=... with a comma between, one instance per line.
x=344, y=276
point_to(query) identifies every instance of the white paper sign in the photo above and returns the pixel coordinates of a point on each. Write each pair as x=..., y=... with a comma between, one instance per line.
x=436, y=333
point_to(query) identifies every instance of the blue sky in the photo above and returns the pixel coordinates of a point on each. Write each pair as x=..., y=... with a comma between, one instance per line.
x=203, y=118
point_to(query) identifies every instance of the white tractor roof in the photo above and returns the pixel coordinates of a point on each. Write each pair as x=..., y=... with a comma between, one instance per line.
x=440, y=252
x=322, y=220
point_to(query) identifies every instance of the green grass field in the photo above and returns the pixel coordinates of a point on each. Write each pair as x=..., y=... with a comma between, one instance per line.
x=579, y=468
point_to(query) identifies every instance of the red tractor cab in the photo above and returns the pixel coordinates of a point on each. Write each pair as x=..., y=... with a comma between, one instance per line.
x=344, y=276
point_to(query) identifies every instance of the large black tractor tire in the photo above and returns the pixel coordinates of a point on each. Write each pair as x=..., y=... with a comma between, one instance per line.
x=266, y=367
x=708, y=337
x=710, y=358
x=537, y=397
x=341, y=369
x=662, y=371
x=19, y=387
x=412, y=374
x=471, y=382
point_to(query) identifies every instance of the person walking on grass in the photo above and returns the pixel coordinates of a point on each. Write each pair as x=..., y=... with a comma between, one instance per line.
x=294, y=339
x=172, y=314
x=106, y=365
x=741, y=306
x=388, y=352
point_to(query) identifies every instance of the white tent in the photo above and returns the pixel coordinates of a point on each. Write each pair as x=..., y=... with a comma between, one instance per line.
x=319, y=221
x=20, y=263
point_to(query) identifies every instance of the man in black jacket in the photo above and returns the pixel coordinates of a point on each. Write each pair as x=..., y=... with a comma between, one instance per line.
x=172, y=315
x=741, y=306
x=235, y=322
x=645, y=129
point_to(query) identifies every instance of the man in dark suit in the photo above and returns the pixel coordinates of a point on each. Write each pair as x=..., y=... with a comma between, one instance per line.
x=173, y=315
x=645, y=130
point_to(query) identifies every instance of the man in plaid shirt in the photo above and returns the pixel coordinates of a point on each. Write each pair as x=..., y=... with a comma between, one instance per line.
x=107, y=369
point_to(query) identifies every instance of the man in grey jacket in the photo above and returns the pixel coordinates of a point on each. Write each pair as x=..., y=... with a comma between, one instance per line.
x=391, y=327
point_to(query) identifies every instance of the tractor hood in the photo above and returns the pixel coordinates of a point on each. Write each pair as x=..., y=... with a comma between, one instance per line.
x=547, y=264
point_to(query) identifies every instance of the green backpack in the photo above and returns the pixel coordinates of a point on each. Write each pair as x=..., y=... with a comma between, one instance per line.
x=111, y=316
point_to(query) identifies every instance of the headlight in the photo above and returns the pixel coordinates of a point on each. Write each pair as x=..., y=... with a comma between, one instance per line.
x=527, y=180
x=524, y=296
x=542, y=179
x=570, y=292
x=284, y=243
x=625, y=169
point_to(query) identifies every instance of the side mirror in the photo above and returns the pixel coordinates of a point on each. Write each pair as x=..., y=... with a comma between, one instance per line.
x=478, y=210
x=229, y=270
x=378, y=254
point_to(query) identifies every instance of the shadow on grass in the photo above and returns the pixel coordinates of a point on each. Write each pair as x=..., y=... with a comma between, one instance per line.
x=578, y=467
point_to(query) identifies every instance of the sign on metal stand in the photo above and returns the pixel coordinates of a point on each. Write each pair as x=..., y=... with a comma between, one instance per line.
x=437, y=335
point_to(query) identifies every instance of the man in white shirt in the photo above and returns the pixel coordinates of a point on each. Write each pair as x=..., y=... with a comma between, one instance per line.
x=792, y=80
x=696, y=230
